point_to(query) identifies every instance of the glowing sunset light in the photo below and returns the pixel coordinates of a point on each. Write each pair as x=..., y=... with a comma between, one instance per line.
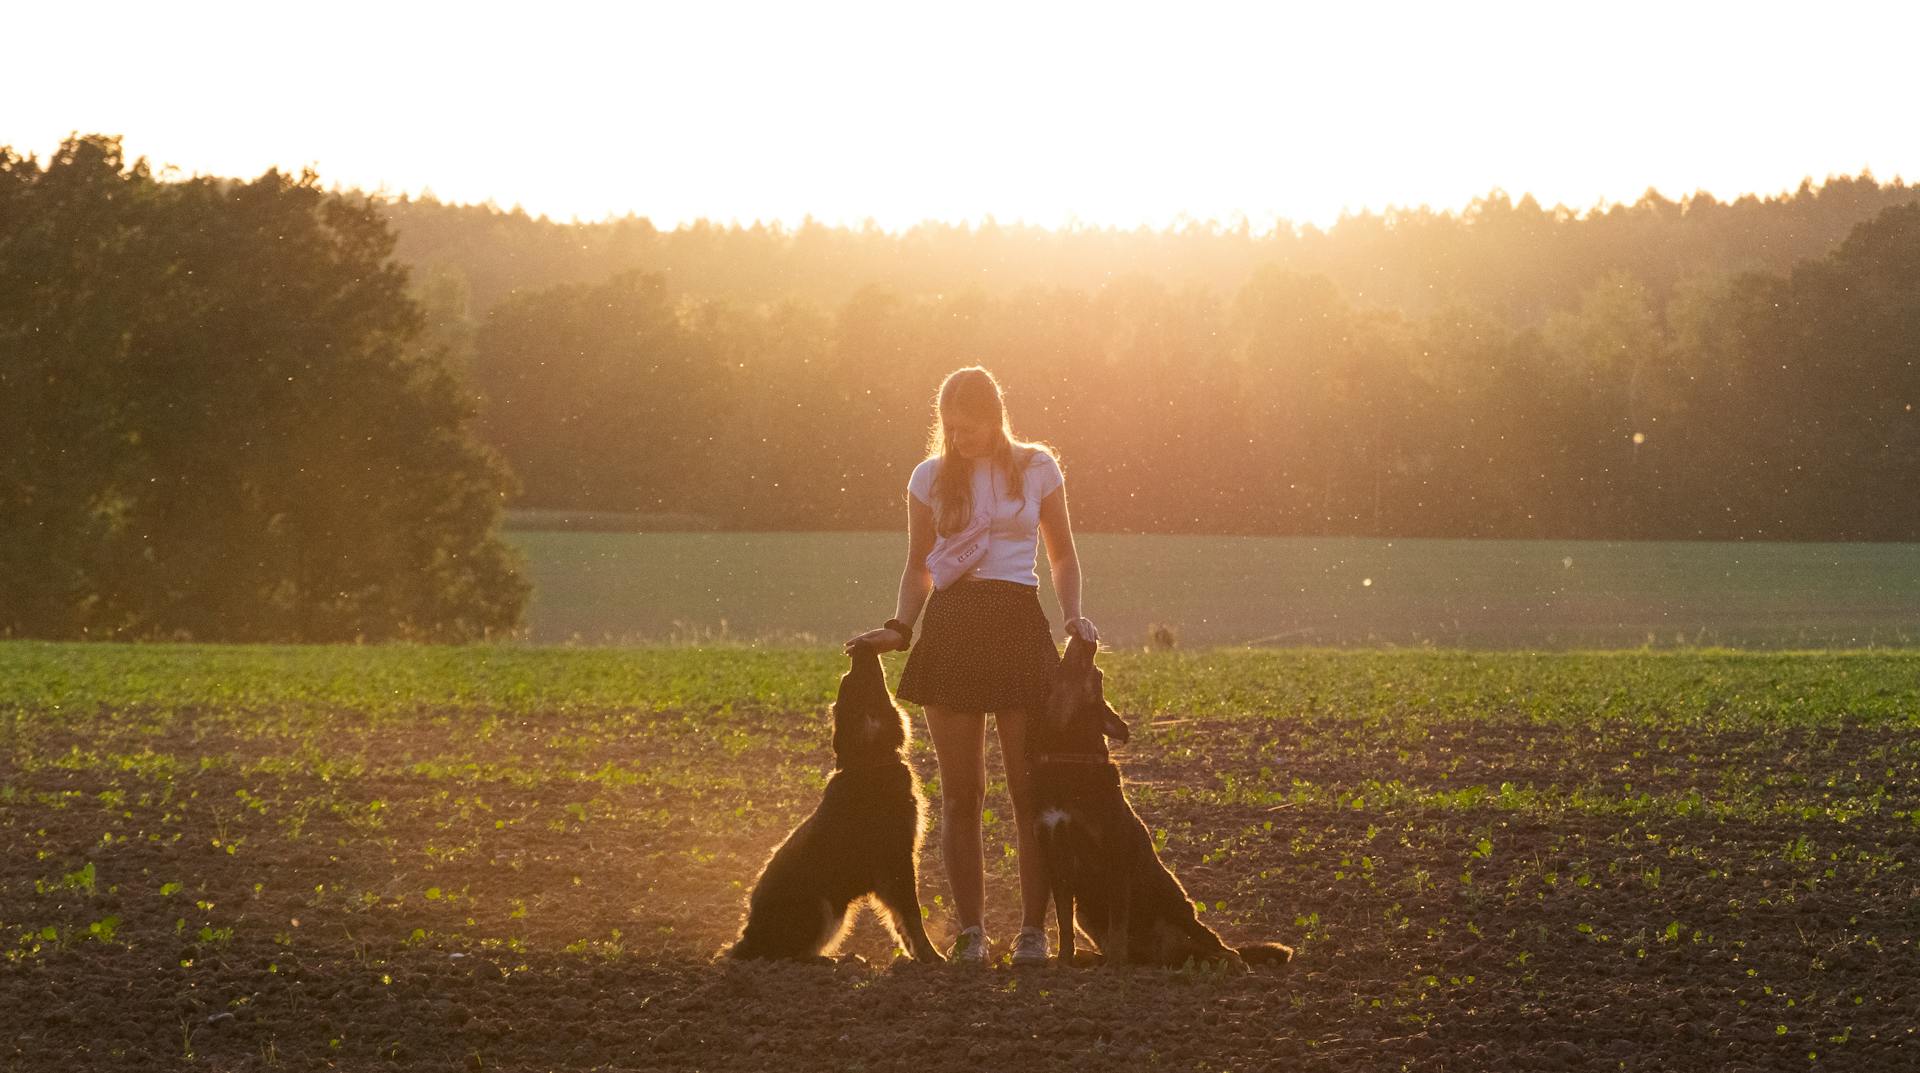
x=1053, y=114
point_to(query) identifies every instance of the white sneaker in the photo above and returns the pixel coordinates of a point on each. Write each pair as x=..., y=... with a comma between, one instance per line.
x=1030, y=948
x=969, y=947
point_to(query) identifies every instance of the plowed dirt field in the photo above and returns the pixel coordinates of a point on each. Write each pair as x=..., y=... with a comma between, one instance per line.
x=526, y=859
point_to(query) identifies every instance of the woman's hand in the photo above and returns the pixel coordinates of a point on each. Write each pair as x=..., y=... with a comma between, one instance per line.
x=880, y=640
x=1083, y=628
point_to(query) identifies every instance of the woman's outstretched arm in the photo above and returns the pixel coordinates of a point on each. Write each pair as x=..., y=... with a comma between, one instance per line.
x=1057, y=530
x=916, y=582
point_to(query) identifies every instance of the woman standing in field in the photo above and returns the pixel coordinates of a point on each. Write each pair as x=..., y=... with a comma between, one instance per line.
x=986, y=646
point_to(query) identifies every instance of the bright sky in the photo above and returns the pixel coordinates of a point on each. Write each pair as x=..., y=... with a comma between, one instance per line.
x=1049, y=113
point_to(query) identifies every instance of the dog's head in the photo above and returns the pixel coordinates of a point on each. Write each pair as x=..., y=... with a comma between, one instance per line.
x=1078, y=718
x=867, y=725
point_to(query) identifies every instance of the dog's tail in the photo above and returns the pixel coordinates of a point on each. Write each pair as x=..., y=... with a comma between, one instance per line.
x=1260, y=955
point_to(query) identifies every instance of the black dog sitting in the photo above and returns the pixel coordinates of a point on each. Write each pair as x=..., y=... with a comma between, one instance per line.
x=861, y=842
x=1098, y=855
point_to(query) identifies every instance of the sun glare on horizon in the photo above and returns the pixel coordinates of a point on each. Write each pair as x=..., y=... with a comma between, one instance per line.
x=1049, y=115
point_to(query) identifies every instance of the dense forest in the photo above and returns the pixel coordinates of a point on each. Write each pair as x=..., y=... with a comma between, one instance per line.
x=1686, y=370
x=256, y=409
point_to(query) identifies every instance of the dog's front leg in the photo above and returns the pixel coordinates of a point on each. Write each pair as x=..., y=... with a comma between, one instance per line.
x=1063, y=912
x=1119, y=921
x=902, y=901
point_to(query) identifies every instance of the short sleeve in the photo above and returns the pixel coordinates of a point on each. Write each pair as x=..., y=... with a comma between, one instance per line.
x=920, y=485
x=1044, y=473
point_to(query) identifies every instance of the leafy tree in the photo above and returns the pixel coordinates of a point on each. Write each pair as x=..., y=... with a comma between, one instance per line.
x=1850, y=353
x=255, y=449
x=75, y=272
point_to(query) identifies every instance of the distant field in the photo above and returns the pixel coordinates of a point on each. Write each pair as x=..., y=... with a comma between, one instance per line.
x=598, y=587
x=253, y=858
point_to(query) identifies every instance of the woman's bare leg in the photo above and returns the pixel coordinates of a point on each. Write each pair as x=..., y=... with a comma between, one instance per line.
x=1033, y=878
x=960, y=744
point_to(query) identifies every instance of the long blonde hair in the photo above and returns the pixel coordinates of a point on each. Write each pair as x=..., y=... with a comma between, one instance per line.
x=974, y=392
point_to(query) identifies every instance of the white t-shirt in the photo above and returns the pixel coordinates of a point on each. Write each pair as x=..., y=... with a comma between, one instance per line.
x=1015, y=544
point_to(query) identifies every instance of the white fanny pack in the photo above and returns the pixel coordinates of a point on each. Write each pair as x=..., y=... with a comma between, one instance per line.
x=954, y=556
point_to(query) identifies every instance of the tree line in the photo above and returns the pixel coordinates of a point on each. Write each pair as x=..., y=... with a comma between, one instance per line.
x=1514, y=258
x=261, y=410
x=1751, y=405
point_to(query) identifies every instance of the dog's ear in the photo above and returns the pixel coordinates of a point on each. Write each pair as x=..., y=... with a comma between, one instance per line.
x=1111, y=724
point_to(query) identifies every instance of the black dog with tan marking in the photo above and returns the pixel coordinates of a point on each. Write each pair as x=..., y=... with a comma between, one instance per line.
x=861, y=842
x=1099, y=857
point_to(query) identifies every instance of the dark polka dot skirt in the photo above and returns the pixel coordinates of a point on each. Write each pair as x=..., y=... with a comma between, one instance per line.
x=983, y=646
